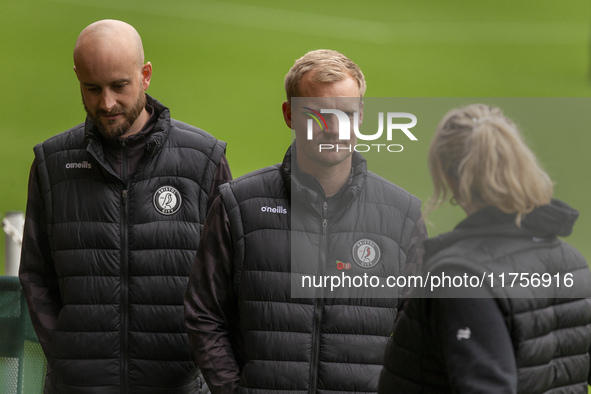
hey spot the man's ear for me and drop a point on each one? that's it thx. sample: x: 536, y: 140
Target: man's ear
x: 361, y: 113
x: 146, y: 75
x: 286, y: 107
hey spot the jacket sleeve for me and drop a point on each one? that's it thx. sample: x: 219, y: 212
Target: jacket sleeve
x: 589, y: 376
x: 221, y: 176
x: 414, y: 259
x: 37, y: 274
x: 210, y: 303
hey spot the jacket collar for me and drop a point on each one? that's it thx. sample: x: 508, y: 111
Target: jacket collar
x: 305, y: 188
x: 548, y: 221
x: 155, y: 141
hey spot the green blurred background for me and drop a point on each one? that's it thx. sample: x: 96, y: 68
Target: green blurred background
x: 220, y: 66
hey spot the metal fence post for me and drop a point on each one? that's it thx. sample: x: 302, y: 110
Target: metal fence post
x: 13, y: 224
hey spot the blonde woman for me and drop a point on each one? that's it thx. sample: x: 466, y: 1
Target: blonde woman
x: 506, y: 338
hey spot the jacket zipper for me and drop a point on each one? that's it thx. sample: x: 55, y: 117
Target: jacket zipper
x: 318, y: 306
x: 124, y: 348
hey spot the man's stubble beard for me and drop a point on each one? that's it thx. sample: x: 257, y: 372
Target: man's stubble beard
x: 113, y: 131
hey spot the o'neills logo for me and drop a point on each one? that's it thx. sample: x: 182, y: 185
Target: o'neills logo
x: 167, y: 200
x: 278, y: 209
x: 84, y: 164
x: 366, y: 253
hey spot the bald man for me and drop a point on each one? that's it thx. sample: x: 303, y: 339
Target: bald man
x: 114, y: 215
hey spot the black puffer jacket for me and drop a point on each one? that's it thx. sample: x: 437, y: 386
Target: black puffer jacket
x: 122, y: 254
x: 330, y: 342
x: 548, y: 328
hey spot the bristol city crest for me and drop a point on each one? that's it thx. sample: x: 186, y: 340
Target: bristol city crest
x: 167, y: 200
x: 366, y: 253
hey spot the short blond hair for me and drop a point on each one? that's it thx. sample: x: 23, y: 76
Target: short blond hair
x: 329, y: 66
x: 484, y: 152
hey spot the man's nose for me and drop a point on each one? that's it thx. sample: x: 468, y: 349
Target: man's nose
x: 333, y: 124
x: 108, y: 100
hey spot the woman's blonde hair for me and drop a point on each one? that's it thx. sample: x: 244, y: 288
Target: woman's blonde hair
x: 484, y: 152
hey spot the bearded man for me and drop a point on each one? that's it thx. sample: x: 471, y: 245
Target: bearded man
x: 114, y: 215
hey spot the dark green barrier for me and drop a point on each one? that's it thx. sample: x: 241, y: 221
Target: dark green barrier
x: 22, y: 362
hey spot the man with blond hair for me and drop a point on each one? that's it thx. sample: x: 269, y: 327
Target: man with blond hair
x: 250, y: 328
x: 114, y: 214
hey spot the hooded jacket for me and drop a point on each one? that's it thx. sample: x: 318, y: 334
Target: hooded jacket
x: 526, y: 336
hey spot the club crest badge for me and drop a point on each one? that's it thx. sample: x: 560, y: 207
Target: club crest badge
x: 366, y: 253
x: 167, y: 200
